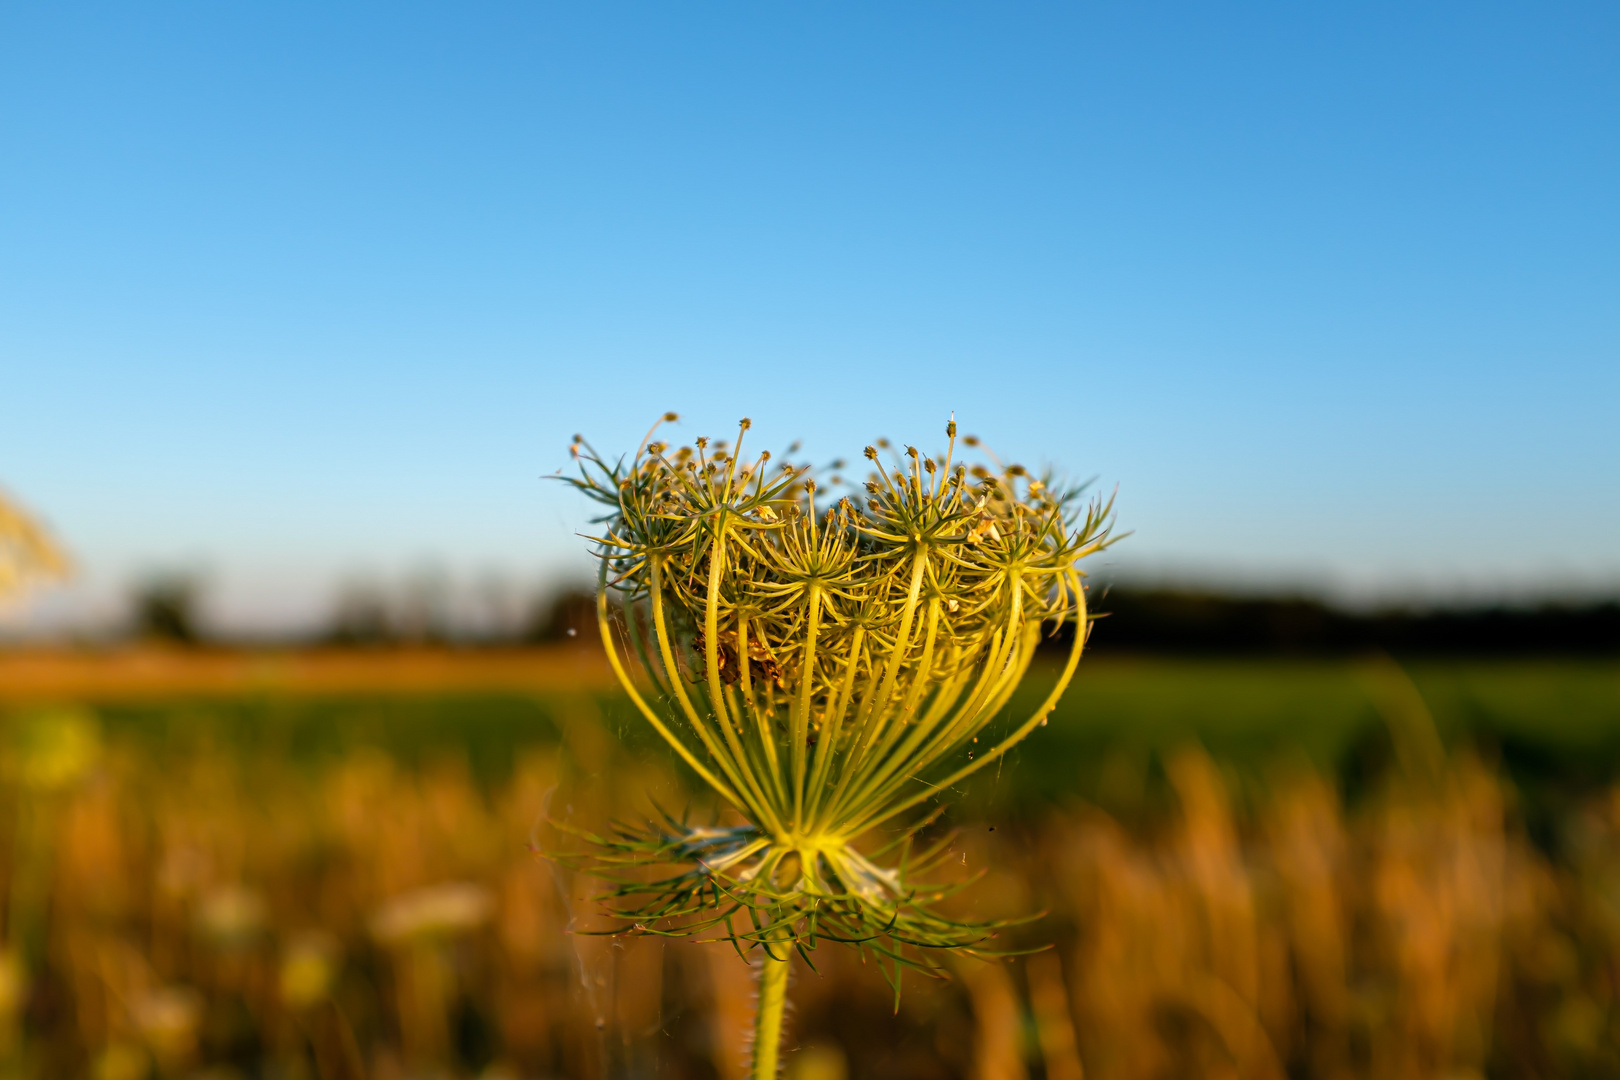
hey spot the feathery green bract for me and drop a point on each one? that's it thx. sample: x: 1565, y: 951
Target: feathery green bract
x: 827, y: 667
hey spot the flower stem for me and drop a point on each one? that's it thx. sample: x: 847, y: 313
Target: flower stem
x: 773, y: 981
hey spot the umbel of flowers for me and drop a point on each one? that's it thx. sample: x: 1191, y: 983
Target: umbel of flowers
x: 27, y: 555
x: 828, y: 662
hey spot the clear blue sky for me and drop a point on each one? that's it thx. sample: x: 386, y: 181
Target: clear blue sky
x: 1332, y: 292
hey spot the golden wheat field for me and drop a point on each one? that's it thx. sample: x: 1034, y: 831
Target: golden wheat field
x: 198, y: 887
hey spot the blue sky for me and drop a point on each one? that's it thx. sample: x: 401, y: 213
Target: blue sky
x: 294, y: 292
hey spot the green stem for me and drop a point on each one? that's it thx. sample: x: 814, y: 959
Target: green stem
x: 801, y: 714
x: 773, y: 981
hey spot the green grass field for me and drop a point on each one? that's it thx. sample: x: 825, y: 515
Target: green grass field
x: 1550, y: 724
x: 217, y: 845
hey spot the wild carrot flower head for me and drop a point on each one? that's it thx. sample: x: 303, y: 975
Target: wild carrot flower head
x: 827, y: 661
x: 27, y: 555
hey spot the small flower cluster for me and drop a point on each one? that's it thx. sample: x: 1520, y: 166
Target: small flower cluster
x: 826, y: 662
x: 27, y: 555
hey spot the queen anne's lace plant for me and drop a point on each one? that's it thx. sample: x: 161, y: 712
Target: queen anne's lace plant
x: 828, y: 666
x: 27, y: 555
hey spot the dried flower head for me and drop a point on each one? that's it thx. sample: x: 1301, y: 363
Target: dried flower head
x: 827, y: 667
x: 27, y: 555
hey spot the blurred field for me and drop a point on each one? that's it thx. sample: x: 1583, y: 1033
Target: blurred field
x: 319, y: 865
x: 159, y: 673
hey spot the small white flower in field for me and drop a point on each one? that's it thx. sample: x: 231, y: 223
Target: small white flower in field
x: 434, y: 912
x: 168, y: 1019
x: 231, y: 916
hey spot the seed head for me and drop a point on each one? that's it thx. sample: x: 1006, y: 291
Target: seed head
x: 825, y: 676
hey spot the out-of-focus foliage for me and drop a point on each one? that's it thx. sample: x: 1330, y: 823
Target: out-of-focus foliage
x: 1193, y: 622
x: 165, y: 609
x: 192, y: 896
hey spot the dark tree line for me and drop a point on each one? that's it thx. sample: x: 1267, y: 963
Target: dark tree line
x: 1129, y: 620
x: 1210, y: 623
